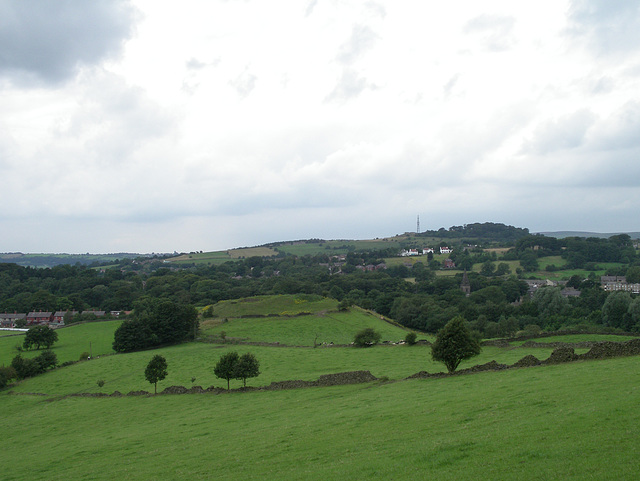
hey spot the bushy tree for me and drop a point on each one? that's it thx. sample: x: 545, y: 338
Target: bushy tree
x: 246, y: 367
x: 410, y: 338
x: 367, y: 337
x: 46, y: 360
x: 6, y: 374
x: 25, y: 368
x: 549, y: 302
x: 226, y: 367
x: 615, y: 311
x: 38, y: 336
x: 156, y: 371
x: 454, y: 343
x: 156, y: 323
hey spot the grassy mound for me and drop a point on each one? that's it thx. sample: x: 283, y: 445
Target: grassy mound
x: 301, y: 320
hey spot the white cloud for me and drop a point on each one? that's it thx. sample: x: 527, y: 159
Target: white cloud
x: 235, y: 123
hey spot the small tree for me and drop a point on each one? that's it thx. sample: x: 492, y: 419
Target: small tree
x: 156, y: 371
x: 46, y: 360
x: 454, y: 343
x: 226, y: 367
x: 246, y: 367
x: 40, y: 336
x: 410, y: 338
x: 6, y: 374
x: 367, y: 337
x: 25, y: 368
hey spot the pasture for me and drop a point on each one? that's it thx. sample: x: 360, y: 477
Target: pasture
x: 93, y: 337
x: 300, y: 320
x: 568, y: 421
x: 553, y: 422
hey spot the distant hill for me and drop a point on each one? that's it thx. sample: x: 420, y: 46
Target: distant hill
x: 52, y: 260
x: 570, y: 233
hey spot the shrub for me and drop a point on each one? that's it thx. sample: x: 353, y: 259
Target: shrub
x: 100, y: 382
x: 410, y: 338
x: 6, y: 374
x: 25, y: 368
x: 46, y: 360
x: 84, y: 356
x: 367, y: 337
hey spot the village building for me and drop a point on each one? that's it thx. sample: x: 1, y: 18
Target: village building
x: 38, y: 318
x: 8, y: 319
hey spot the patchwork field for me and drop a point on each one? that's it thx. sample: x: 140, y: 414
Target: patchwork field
x: 569, y: 421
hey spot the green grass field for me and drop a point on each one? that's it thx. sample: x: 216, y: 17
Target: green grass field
x: 93, y: 337
x: 554, y: 422
x: 571, y: 421
x: 270, y: 305
x: 573, y: 338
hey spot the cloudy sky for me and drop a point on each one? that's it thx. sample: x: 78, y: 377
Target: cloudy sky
x: 154, y: 126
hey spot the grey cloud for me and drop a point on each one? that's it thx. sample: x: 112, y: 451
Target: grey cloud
x: 45, y: 42
x: 608, y: 25
x: 559, y: 134
x: 244, y: 83
x: 603, y: 85
x: 362, y: 39
x: 448, y: 87
x: 312, y: 4
x: 496, y: 31
x: 195, y: 64
x: 114, y: 120
x: 620, y: 132
x: 376, y: 8
x: 349, y: 86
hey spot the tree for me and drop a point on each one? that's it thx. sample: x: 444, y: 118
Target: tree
x: 226, y: 367
x: 246, y: 367
x: 367, y: 337
x: 6, y: 374
x: 529, y: 261
x: 156, y: 371
x: 615, y: 310
x: 40, y: 336
x: 454, y: 343
x: 410, y: 338
x: 46, y: 359
x: 156, y: 323
x: 25, y: 368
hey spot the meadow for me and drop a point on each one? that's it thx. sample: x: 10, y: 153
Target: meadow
x: 300, y: 320
x: 569, y: 421
x: 95, y: 338
x: 553, y: 422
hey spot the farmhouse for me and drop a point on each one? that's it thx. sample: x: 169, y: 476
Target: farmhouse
x: 445, y: 250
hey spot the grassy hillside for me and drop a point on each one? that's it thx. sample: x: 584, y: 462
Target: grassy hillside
x: 94, y: 337
x: 296, y: 248
x: 294, y: 320
x: 570, y: 421
x: 554, y: 422
x: 273, y: 305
